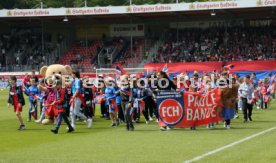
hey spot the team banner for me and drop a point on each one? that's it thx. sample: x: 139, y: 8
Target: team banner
x: 188, y: 109
x: 201, y: 109
x: 170, y: 106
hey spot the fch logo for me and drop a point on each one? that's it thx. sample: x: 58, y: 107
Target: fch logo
x: 171, y: 112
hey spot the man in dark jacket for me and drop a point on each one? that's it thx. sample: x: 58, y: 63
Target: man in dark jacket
x: 16, y: 98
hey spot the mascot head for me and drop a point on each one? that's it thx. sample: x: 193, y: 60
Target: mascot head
x: 55, y: 69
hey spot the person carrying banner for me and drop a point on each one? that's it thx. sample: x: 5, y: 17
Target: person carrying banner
x: 164, y: 83
x: 206, y: 89
x: 246, y: 91
x: 16, y: 98
x: 228, y: 113
x: 192, y: 89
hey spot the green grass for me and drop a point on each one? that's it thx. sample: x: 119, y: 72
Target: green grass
x: 147, y: 143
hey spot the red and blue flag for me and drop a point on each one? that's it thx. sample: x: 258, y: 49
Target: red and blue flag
x: 120, y: 69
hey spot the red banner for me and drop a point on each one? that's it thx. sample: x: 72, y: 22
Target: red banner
x: 200, y: 109
x: 254, y: 65
x: 183, y: 67
x: 197, y: 109
x: 210, y: 66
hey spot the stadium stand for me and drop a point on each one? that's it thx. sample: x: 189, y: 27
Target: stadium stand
x: 219, y: 44
x: 21, y: 49
x: 80, y: 57
x: 132, y: 59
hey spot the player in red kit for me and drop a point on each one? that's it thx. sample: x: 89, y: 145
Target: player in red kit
x: 16, y: 98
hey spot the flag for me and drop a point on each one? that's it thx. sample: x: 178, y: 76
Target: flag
x: 35, y: 96
x: 99, y: 98
x: 113, y: 105
x: 128, y: 93
x: 229, y: 68
x: 120, y: 69
x: 165, y: 68
x: 142, y: 106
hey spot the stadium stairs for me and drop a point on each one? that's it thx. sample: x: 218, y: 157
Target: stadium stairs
x: 133, y: 59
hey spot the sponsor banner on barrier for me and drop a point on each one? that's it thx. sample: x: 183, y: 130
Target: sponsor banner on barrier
x: 188, y: 109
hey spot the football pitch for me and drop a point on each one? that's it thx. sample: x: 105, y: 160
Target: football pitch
x: 147, y: 143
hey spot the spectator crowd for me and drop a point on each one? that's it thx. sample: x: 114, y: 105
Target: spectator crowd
x: 218, y: 44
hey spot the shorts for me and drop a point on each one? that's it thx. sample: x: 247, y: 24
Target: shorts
x: 17, y: 108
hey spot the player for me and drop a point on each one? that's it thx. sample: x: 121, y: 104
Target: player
x: 16, y: 98
x: 33, y: 92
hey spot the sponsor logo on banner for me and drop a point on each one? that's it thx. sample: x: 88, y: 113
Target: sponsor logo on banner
x: 202, y: 6
x: 146, y: 9
x: 88, y: 11
x: 265, y: 3
x: 269, y: 2
x: 18, y: 13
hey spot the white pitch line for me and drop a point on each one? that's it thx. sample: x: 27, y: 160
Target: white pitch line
x: 229, y: 145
